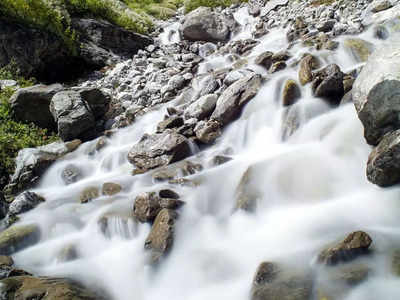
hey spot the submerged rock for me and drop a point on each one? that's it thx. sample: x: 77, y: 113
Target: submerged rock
x: 354, y: 245
x: 111, y: 188
x: 291, y: 93
x: 17, y: 238
x: 375, y: 92
x: 307, y: 64
x: 157, y: 150
x: 90, y: 193
x: 71, y: 174
x: 328, y: 84
x: 359, y: 48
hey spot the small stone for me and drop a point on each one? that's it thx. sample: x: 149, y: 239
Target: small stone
x: 291, y: 93
x: 89, y: 194
x: 110, y: 188
x: 278, y: 66
x: 307, y: 64
x: 208, y: 132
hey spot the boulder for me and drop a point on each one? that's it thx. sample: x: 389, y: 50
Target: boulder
x: 17, y: 238
x: 24, y: 202
x: 383, y: 167
x: 70, y: 174
x: 161, y: 237
x: 202, y: 108
x: 32, y: 104
x: 110, y: 188
x: 277, y: 66
x: 73, y: 115
x: 33, y: 162
x: 272, y: 5
x: 96, y: 99
x: 272, y: 281
x: 3, y: 206
x: 359, y: 48
x: 246, y: 194
x: 375, y: 92
x: 354, y: 245
x: 207, y: 131
x: 88, y: 194
x: 157, y: 150
x: 232, y: 100
x: 173, y: 171
x: 380, y: 5
x: 264, y: 59
x: 291, y: 92
x: 203, y: 24
x: 328, y: 84
x: 254, y: 7
x: 45, y: 288
x: 170, y: 122
x: 307, y: 64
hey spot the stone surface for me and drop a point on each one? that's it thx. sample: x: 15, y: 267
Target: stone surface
x: 24, y: 202
x: 208, y: 132
x: 307, y: 65
x: 89, y: 193
x: 71, y: 174
x: 17, y: 238
x: 232, y: 100
x: 32, y: 104
x: 291, y: 93
x: 328, y: 84
x: 202, y: 108
x: 111, y: 188
x: 157, y: 150
x: 354, y: 245
x: 359, y: 48
x: 375, y: 92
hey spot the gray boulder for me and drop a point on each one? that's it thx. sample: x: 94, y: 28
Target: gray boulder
x: 328, y: 84
x: 24, y: 202
x: 203, y: 24
x: 202, y: 108
x: 17, y: 238
x: 70, y: 174
x: 375, y: 92
x: 157, y: 150
x: 383, y: 167
x: 232, y: 100
x: 32, y: 104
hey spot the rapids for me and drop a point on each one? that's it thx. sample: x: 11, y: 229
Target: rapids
x: 313, y: 191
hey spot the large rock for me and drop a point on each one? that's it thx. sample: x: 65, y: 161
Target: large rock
x: 203, y: 24
x: 232, y: 100
x: 24, y: 202
x: 354, y: 245
x: 375, y: 92
x: 328, y: 84
x: 161, y: 237
x: 44, y: 288
x: 307, y: 64
x: 17, y: 238
x: 73, y: 115
x: 202, y: 108
x: 383, y: 167
x: 32, y: 104
x: 157, y: 150
x: 273, y: 282
x: 33, y: 162
x: 359, y: 48
x: 291, y: 92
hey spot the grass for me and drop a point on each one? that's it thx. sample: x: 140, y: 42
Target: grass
x: 15, y: 136
x: 193, y: 4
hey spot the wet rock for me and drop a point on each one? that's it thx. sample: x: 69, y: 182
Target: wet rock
x: 354, y: 245
x: 291, y: 93
x: 157, y: 150
x: 278, y: 66
x: 146, y: 207
x: 383, y: 167
x: 97, y: 100
x: 161, y: 237
x: 182, y: 168
x: 88, y: 194
x: 307, y: 65
x: 110, y: 188
x: 246, y: 194
x: 395, y: 262
x: 348, y: 82
x: 202, y: 108
x: 264, y: 59
x: 272, y: 5
x: 232, y: 100
x: 254, y: 7
x: 207, y: 131
x: 375, y: 93
x: 347, y: 98
x: 380, y: 5
x: 167, y: 193
x: 6, y: 261
x: 171, y: 122
x: 31, y: 104
x: 45, y: 288
x: 71, y: 174
x: 33, y: 162
x: 3, y: 206
x: 326, y: 26
x: 24, y: 202
x: 275, y: 282
x: 68, y: 253
x: 203, y: 24
x: 17, y: 238
x: 73, y: 117
x: 359, y: 48
x: 328, y: 84
x: 220, y: 160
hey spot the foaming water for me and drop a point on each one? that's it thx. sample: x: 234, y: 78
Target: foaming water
x: 312, y: 190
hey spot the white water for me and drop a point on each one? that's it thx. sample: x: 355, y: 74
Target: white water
x: 314, y: 191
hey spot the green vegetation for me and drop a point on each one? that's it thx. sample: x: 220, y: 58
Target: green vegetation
x: 15, y: 136
x: 193, y: 4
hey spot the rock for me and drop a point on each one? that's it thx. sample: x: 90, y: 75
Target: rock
x: 33, y: 162
x: 203, y: 24
x: 161, y: 237
x: 380, y: 5
x: 348, y: 82
x: 375, y: 92
x: 274, y: 282
x: 254, y: 7
x: 201, y: 108
x: 307, y: 64
x: 278, y: 66
x: 146, y: 207
x: 220, y: 160
x: 45, y: 288
x: 67, y: 253
x: 347, y: 98
x: 157, y: 150
x: 272, y: 5
x: 3, y: 206
x: 73, y: 116
x: 354, y: 245
x: 24, y: 202
x: 246, y: 195
x: 167, y: 193
x: 232, y: 100
x: 383, y: 167
x: 88, y: 194
x: 291, y: 93
x: 359, y: 48
x: 182, y: 168
x: 171, y: 122
x: 17, y: 238
x: 326, y: 26
x: 395, y: 262
x: 6, y: 261
x: 31, y: 104
x: 328, y: 84
x: 97, y: 100
x: 264, y: 59
x: 110, y: 188
x: 207, y: 132
x: 71, y: 174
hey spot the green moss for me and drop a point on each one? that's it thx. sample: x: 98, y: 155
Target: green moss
x: 193, y: 4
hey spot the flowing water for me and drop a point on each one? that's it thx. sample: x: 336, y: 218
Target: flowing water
x: 313, y: 190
